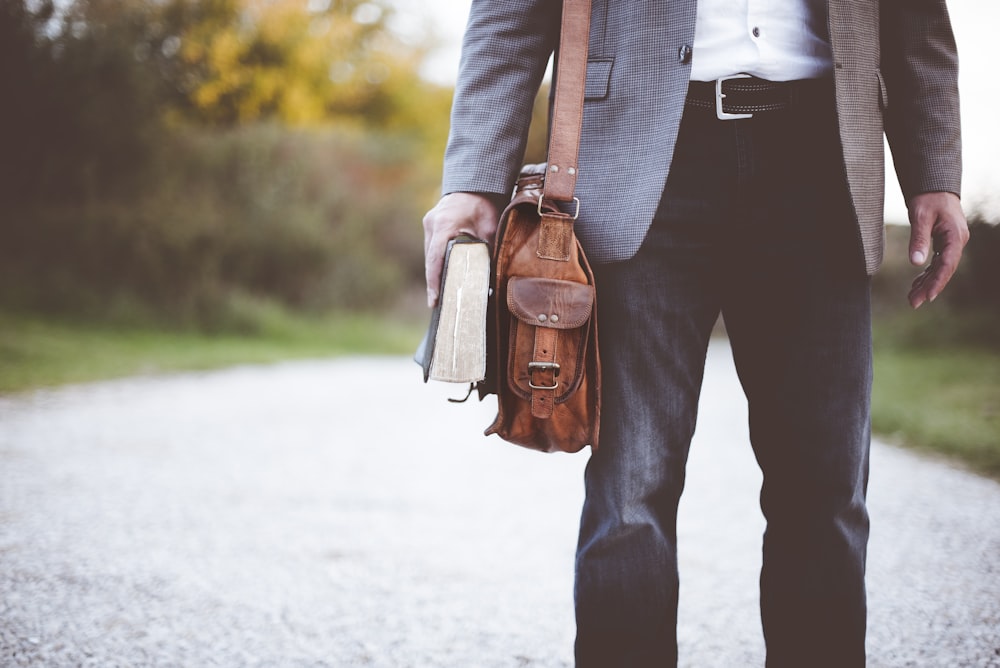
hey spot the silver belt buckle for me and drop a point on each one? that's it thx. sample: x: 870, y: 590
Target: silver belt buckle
x: 719, y: 96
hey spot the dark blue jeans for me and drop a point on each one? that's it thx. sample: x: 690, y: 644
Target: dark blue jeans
x: 755, y: 222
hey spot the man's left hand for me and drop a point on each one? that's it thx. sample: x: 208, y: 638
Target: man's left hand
x: 936, y: 220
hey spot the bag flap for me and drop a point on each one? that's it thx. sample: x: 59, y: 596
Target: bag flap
x: 549, y: 302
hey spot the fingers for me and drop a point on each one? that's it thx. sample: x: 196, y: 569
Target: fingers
x: 436, y: 238
x: 929, y: 283
x: 454, y: 214
x: 433, y: 261
x: 936, y: 218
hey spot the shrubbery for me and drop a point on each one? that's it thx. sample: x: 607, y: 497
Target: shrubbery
x: 314, y: 220
x: 137, y: 180
x: 966, y: 313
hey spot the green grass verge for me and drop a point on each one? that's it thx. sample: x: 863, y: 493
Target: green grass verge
x: 940, y: 400
x: 944, y: 400
x: 41, y: 351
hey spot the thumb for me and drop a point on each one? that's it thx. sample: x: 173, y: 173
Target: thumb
x: 920, y: 240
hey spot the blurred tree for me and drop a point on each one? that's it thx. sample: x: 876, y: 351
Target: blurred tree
x: 145, y: 151
x: 78, y: 107
x: 26, y: 68
x: 89, y: 84
x: 302, y: 63
x: 977, y: 283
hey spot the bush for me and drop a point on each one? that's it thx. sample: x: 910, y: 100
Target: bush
x: 117, y: 198
x: 966, y: 313
x: 317, y: 220
x: 976, y: 285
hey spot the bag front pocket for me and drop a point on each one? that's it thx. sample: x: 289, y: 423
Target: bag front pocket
x: 548, y: 337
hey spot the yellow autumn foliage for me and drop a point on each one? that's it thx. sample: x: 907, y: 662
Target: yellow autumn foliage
x: 288, y: 61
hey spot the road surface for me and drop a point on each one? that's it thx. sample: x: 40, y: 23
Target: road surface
x: 340, y: 513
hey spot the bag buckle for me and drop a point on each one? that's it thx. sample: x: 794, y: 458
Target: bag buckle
x: 543, y: 366
x: 719, y: 96
x: 575, y: 199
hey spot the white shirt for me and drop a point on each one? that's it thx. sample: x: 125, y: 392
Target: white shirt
x: 778, y: 40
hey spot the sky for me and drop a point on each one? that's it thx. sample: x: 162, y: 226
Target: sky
x: 974, y: 22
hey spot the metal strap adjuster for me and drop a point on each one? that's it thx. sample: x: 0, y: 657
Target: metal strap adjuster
x: 543, y: 366
x: 576, y: 214
x: 719, y: 96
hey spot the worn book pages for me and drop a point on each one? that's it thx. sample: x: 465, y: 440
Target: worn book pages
x: 455, y: 347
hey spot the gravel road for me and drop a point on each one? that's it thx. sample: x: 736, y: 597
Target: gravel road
x: 339, y: 513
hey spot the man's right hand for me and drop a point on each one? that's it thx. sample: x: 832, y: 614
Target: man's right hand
x: 456, y: 213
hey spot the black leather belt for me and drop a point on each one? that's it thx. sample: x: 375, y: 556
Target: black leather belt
x: 742, y: 95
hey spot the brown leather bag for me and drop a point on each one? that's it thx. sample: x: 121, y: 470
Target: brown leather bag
x: 544, y: 357
x: 544, y: 363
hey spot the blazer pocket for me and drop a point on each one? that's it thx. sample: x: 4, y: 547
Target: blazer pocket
x: 598, y: 79
x: 883, y: 92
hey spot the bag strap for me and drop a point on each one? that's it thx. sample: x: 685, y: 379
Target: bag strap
x: 567, y: 108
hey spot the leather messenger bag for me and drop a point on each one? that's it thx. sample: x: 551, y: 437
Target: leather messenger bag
x: 543, y: 362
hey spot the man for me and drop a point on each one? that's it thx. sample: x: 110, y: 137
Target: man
x: 731, y: 161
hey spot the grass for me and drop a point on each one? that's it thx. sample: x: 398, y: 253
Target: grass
x: 37, y: 351
x: 942, y: 399
x: 945, y: 401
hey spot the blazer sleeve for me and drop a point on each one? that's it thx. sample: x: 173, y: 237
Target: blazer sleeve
x: 920, y: 69
x: 505, y: 50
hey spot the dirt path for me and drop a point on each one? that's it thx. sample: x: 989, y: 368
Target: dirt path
x: 341, y: 514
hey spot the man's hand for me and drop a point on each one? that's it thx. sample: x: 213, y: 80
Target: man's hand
x: 936, y: 219
x: 454, y: 214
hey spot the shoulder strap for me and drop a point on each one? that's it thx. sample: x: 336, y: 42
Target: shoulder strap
x: 567, y: 109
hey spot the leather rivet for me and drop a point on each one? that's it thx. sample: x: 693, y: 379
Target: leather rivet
x: 571, y: 170
x: 554, y: 168
x: 554, y: 318
x: 542, y: 317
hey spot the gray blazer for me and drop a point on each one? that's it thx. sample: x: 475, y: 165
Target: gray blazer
x: 901, y: 79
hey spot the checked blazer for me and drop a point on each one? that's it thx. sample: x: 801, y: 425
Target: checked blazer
x: 895, y: 72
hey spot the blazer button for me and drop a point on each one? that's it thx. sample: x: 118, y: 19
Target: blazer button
x: 684, y: 54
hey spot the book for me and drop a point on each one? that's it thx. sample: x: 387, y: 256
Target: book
x: 454, y: 348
